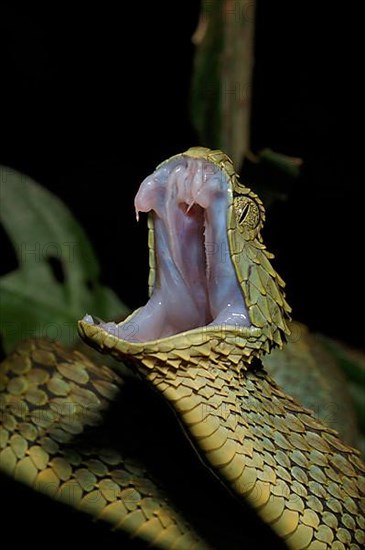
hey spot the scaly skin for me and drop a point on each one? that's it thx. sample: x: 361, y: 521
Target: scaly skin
x: 266, y: 448
x: 311, y: 374
x: 49, y: 398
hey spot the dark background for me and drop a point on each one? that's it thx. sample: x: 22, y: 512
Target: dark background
x: 92, y: 100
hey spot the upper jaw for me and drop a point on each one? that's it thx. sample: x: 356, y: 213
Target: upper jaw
x: 196, y: 284
x: 212, y: 307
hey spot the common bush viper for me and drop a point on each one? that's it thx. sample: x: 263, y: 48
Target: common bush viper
x: 216, y: 306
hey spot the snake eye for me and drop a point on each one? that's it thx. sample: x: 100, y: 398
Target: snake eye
x: 248, y: 213
x: 244, y: 212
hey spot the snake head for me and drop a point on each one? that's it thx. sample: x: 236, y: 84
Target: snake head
x: 212, y: 285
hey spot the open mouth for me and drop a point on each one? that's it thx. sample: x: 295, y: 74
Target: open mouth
x: 195, y: 282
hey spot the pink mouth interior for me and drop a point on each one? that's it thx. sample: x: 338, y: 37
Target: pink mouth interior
x: 196, y: 284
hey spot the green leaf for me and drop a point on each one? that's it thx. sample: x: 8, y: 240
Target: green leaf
x: 57, y: 279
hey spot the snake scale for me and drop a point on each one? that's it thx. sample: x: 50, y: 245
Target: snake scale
x: 217, y: 306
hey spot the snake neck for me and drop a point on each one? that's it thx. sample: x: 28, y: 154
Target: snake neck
x: 268, y: 450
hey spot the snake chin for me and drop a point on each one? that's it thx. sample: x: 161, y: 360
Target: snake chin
x: 195, y: 283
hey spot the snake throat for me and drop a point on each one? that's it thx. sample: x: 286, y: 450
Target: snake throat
x: 195, y: 283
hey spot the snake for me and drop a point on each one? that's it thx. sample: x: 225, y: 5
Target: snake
x: 216, y: 307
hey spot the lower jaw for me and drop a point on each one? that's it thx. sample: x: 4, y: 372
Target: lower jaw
x: 214, y: 342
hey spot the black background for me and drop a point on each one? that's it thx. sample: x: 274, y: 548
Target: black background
x: 92, y: 99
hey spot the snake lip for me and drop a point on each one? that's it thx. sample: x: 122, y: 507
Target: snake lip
x: 108, y: 338
x: 93, y: 319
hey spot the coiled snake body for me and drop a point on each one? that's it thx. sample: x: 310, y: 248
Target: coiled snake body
x: 216, y: 306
